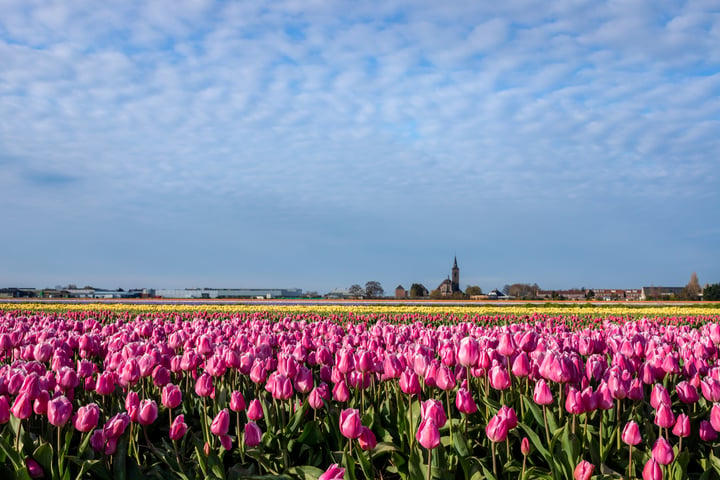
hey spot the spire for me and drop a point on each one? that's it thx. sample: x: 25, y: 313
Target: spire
x: 455, y: 264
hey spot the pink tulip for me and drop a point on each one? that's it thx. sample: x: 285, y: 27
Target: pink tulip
x: 34, y: 468
x: 350, y: 423
x: 682, y: 426
x: 367, y: 440
x: 525, y: 446
x: 116, y: 426
x: 221, y: 423
x: 147, y: 412
x: 499, y: 378
x: 86, y: 418
x: 583, y: 470
x: 59, y: 411
x: 341, y: 392
x: 664, y: 416
x: 4, y: 410
x: 659, y: 395
x: 433, y: 409
x: 687, y: 393
x: 464, y: 401
x: 105, y: 384
x: 237, y: 401
x: 253, y: 434
x: 22, y: 408
x: 468, y: 352
x: 652, y: 470
x: 178, y: 428
x: 204, y: 386
x: 171, y: 396
x: 662, y: 452
x: 707, y: 432
x: 497, y: 429
x: 409, y: 383
x: 542, y: 394
x: 631, y: 433
x: 334, y: 472
x: 255, y: 411
x: 428, y: 434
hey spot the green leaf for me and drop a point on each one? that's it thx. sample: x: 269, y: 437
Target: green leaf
x: 306, y: 472
x: 384, y: 447
x: 44, y: 456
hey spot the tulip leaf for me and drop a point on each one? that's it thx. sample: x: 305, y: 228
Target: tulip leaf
x: 298, y: 419
x: 306, y: 472
x: 365, y: 464
x: 384, y: 447
x: 44, y: 456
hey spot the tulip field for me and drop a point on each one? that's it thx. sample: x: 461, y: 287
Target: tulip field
x: 359, y: 392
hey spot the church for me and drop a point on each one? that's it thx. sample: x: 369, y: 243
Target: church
x: 451, y: 285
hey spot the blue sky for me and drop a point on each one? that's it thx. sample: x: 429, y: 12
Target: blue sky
x: 315, y: 144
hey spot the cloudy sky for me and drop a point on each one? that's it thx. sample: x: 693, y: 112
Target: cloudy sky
x: 317, y: 143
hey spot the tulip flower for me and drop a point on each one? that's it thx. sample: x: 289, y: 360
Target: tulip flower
x: 22, y: 408
x: 253, y: 434
x: 497, y: 429
x: 428, y: 434
x: 664, y: 416
x: 237, y: 401
x: 652, y: 470
x: 631, y: 433
x: 350, y: 423
x: 147, y: 412
x: 59, y: 411
x: 367, y: 440
x: 204, y: 386
x: 4, y: 410
x: 221, y: 423
x: 432, y: 408
x: 682, y: 426
x: 34, y: 468
x: 341, y: 392
x: 662, y: 452
x: 86, y: 418
x: 715, y: 416
x: 334, y: 472
x: 178, y: 428
x: 464, y: 401
x: 255, y: 411
x: 707, y: 432
x: 542, y: 394
x: 583, y: 470
x: 171, y: 396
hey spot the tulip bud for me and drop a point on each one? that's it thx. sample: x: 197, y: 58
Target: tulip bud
x: 525, y: 446
x: 652, y: 470
x: 87, y: 417
x: 367, y: 440
x: 682, y: 426
x: 542, y: 394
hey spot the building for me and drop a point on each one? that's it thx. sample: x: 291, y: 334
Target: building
x: 572, y: 294
x: 451, y: 285
x: 608, y: 294
x: 400, y: 292
x: 660, y: 293
x: 219, y: 293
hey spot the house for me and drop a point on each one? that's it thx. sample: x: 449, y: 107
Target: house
x: 451, y: 285
x: 660, y: 293
x: 497, y: 295
x: 400, y: 292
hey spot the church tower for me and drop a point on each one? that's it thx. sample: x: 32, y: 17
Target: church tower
x: 455, y: 277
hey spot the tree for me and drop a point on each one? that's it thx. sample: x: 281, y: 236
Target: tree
x: 589, y: 294
x: 418, y: 290
x: 473, y: 290
x: 356, y: 291
x: 373, y: 289
x: 712, y: 292
x: 692, y: 289
x: 522, y: 290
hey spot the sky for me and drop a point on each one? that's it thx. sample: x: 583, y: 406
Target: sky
x: 316, y: 144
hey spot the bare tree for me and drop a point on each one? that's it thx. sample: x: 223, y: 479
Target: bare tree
x: 356, y: 291
x: 373, y: 289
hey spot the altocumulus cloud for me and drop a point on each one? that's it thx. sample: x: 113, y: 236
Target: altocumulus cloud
x: 303, y: 105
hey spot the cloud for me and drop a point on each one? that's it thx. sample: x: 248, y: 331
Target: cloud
x: 320, y: 106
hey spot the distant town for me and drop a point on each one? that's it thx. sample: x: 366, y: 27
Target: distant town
x: 449, y: 288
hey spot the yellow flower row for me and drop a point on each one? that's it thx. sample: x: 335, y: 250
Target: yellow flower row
x: 321, y: 308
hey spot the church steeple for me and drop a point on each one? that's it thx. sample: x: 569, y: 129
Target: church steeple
x: 455, y: 276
